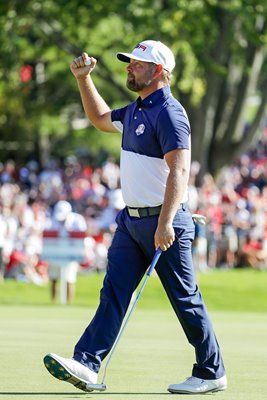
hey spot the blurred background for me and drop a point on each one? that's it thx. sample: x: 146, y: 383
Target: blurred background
x: 52, y: 159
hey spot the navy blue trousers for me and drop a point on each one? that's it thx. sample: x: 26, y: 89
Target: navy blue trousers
x: 129, y: 256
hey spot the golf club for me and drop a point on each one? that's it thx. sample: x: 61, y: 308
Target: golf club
x: 102, y: 386
x: 199, y: 219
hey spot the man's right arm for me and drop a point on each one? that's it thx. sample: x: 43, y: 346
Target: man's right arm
x: 94, y: 105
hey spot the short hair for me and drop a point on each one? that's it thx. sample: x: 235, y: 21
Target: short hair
x: 167, y: 75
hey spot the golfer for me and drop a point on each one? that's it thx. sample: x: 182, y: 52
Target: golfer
x: 155, y: 163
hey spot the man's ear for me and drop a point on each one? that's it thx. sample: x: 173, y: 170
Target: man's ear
x: 158, y: 70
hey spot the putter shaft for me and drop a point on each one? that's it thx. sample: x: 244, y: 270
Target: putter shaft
x: 149, y: 272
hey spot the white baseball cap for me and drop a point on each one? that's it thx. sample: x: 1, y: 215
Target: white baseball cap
x: 61, y: 210
x: 151, y: 51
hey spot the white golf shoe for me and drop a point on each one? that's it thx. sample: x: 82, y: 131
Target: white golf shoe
x: 69, y: 370
x: 195, y: 385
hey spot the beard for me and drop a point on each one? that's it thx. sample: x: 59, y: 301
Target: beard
x: 135, y: 86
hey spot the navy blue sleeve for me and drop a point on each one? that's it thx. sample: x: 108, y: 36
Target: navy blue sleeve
x: 173, y: 128
x: 118, y: 114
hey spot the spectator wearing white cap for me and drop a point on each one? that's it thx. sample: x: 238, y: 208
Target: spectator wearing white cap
x: 64, y: 221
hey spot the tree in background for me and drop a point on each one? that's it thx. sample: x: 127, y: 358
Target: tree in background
x: 220, y: 48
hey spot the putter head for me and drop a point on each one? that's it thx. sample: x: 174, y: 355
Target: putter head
x: 101, y: 387
x: 199, y: 219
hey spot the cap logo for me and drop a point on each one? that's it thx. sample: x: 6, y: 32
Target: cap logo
x: 141, y: 46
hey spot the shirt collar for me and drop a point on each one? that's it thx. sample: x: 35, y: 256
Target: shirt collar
x: 154, y: 97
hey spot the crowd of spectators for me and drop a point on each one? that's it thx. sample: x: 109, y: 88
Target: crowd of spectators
x: 235, y: 208
x: 28, y: 199
x: 236, y: 211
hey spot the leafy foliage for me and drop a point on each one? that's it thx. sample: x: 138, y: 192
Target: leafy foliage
x: 220, y: 50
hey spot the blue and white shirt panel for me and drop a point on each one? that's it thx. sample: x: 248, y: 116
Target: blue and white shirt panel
x: 151, y: 128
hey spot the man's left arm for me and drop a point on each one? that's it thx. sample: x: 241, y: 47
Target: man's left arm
x: 176, y: 185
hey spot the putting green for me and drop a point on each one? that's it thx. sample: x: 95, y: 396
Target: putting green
x: 223, y: 290
x: 152, y: 353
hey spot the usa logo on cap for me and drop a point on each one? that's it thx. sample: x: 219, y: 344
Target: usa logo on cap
x: 141, y: 46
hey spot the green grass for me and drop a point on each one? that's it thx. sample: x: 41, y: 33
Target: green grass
x: 233, y: 290
x: 153, y: 353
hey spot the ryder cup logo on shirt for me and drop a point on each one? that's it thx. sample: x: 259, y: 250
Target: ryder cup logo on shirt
x: 140, y: 129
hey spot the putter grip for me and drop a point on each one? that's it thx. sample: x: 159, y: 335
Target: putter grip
x: 154, y: 261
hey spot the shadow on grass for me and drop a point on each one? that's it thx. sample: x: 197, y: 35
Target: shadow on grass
x: 78, y: 394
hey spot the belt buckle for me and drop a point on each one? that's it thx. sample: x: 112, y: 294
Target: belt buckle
x: 134, y: 212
